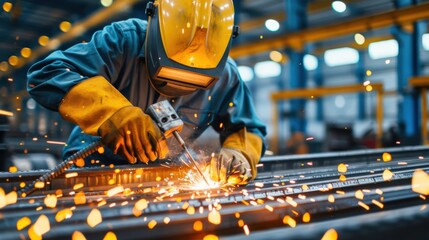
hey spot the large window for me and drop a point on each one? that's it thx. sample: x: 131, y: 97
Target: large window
x: 341, y: 56
x: 383, y: 49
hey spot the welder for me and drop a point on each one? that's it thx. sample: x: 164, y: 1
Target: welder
x: 179, y: 54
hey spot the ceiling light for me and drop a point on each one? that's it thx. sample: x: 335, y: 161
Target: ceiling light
x: 425, y: 41
x: 13, y: 60
x: 383, y: 49
x: 43, y: 40
x: 341, y: 56
x: 106, y: 3
x: 339, y: 6
x: 359, y: 38
x: 246, y: 73
x: 65, y: 26
x: 276, y: 56
x: 272, y: 25
x: 310, y: 62
x: 267, y: 69
x: 26, y: 52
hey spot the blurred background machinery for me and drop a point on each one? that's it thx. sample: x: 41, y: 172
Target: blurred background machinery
x: 341, y: 85
x: 354, y: 72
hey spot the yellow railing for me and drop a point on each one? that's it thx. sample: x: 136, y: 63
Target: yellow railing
x: 312, y: 93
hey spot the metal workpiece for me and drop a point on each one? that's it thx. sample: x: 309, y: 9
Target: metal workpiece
x: 302, y: 201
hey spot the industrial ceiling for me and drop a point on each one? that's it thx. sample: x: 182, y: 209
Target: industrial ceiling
x: 25, y: 21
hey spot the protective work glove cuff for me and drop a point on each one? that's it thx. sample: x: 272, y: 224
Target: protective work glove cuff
x: 91, y: 102
x: 249, y: 145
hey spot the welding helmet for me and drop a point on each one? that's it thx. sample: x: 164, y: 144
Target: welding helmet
x: 187, y: 43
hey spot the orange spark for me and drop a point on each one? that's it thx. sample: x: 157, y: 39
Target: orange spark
x: 151, y: 224
x: 80, y: 198
x: 290, y: 221
x: 110, y: 236
x: 306, y: 217
x: 115, y: 190
x: 94, y: 218
x: 246, y: 230
x: 141, y: 204
x: 420, y: 182
x: 386, y: 157
x: 342, y: 168
x: 78, y: 236
x: 198, y: 226
x: 78, y: 186
x: 63, y: 214
x: 387, y: 175
x: 362, y: 204
x: 23, y: 223
x: 214, y: 217
x: 71, y: 175
x: 377, y: 203
x: 359, y: 194
x: 51, y: 201
x: 41, y: 226
x: 210, y: 237
x: 331, y: 234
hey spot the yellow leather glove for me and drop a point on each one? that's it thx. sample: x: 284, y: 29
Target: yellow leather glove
x: 100, y: 109
x: 237, y: 159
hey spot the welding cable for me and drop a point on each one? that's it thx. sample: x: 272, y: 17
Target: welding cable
x: 61, y: 168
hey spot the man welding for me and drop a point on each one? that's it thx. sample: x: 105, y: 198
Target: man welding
x: 181, y: 55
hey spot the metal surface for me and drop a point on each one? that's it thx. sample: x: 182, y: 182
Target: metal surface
x: 286, y: 188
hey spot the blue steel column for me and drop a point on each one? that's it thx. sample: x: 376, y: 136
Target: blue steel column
x: 296, y: 19
x: 319, y: 80
x: 360, y: 75
x: 407, y: 67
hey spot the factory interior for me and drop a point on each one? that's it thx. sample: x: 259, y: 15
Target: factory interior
x: 341, y: 86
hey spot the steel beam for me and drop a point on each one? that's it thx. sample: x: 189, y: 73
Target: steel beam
x: 298, y: 38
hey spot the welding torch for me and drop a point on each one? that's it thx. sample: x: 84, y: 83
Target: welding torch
x: 170, y: 124
x: 165, y: 117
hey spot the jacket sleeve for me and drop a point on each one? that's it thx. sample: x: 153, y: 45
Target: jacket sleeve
x: 237, y: 110
x: 51, y: 78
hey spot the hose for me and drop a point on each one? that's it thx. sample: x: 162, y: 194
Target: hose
x: 61, y: 168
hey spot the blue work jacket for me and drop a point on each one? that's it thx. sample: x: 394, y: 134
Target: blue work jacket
x: 117, y: 52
